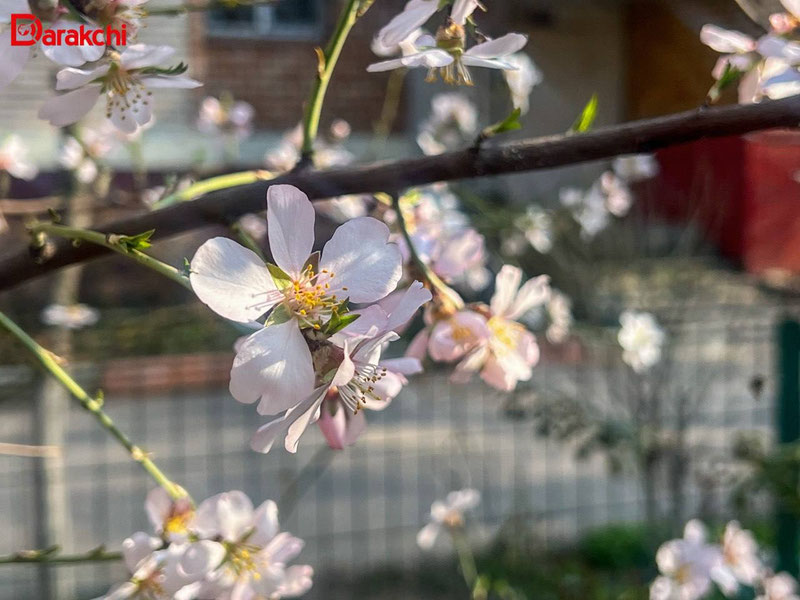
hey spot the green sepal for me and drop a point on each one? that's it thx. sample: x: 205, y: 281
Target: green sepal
x: 279, y: 276
x: 280, y: 314
x: 510, y: 123
x: 729, y: 76
x: 337, y: 323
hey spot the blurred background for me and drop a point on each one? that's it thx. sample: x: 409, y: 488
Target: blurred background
x: 584, y: 469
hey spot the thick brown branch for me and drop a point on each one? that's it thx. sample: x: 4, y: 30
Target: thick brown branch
x: 222, y: 207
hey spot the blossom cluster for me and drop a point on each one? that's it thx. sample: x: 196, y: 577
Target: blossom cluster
x: 641, y: 339
x: 123, y: 77
x: 767, y: 67
x: 691, y: 567
x: 223, y: 548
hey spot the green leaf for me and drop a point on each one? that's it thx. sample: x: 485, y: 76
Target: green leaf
x: 279, y: 276
x: 337, y: 323
x: 140, y: 241
x: 587, y: 117
x: 510, y: 123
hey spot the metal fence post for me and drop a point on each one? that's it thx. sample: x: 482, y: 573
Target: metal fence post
x: 788, y: 430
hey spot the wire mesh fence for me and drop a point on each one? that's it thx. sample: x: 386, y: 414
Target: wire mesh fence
x: 359, y: 509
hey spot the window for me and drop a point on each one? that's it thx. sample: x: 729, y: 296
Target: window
x: 292, y: 19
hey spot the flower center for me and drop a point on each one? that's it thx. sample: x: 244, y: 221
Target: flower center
x: 244, y: 559
x: 309, y: 296
x: 451, y: 38
x: 505, y: 333
x: 454, y: 520
x: 360, y: 388
x: 123, y: 90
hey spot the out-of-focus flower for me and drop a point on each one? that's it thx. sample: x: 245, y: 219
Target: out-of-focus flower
x: 14, y: 158
x: 73, y: 158
x: 448, y: 515
x: 75, y: 316
x: 170, y: 518
x: 275, y: 363
x: 537, y: 226
x: 779, y: 587
x: 740, y: 562
x: 686, y: 565
x: 619, y: 198
x: 452, y: 123
x: 254, y: 225
x: 641, y: 339
x: 636, y: 167
x: 250, y: 551
x: 559, y: 313
x: 225, y: 116
x: 521, y: 80
x: 124, y: 80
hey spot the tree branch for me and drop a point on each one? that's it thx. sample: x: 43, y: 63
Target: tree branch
x: 224, y: 205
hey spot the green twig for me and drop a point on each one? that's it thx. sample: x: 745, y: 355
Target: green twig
x: 51, y: 556
x: 446, y: 294
x: 92, y: 404
x: 112, y: 242
x: 327, y: 63
x: 465, y: 557
x: 214, y: 184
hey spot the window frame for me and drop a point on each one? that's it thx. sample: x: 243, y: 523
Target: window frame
x: 261, y: 26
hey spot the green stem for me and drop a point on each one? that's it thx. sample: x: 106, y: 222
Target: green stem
x: 51, y: 556
x: 327, y: 64
x: 247, y: 240
x: 446, y: 294
x: 465, y: 557
x: 213, y: 184
x: 94, y: 405
x: 112, y: 242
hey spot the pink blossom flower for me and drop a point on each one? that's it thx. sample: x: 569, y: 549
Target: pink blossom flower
x: 686, y: 565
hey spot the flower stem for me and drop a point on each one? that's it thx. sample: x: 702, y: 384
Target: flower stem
x: 112, y: 242
x: 248, y: 240
x: 94, y: 405
x: 51, y: 556
x: 327, y: 63
x: 214, y: 184
x: 446, y: 294
x: 465, y: 557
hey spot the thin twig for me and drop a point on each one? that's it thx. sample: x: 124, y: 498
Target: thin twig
x: 222, y: 206
x: 52, y: 556
x: 92, y: 404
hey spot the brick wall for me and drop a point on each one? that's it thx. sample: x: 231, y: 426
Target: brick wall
x: 275, y: 76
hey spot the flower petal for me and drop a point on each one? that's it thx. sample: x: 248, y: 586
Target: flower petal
x: 402, y: 305
x: 497, y: 48
x: 264, y: 438
x: 726, y: 40
x: 534, y: 292
x: 414, y: 15
x: 265, y: 523
x: 71, y: 107
x: 273, y: 364
x: 290, y: 222
x: 429, y: 59
x: 12, y: 59
x: 505, y: 290
x: 361, y: 263
x: 232, y: 280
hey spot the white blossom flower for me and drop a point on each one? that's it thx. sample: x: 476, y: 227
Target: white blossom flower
x: 14, y: 58
x: 779, y: 587
x: 250, y: 552
x: 350, y: 375
x: 686, y: 565
x: 618, y: 196
x: 559, y: 312
x: 447, y: 514
x: 521, y: 80
x: 225, y: 116
x: 641, y: 339
x: 14, y: 158
x: 447, y: 53
x: 124, y: 80
x: 75, y: 316
x: 170, y: 518
x: 452, y: 123
x: 275, y: 364
x: 170, y: 573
